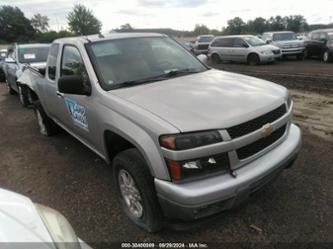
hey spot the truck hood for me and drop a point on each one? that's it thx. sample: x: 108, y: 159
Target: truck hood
x: 210, y: 100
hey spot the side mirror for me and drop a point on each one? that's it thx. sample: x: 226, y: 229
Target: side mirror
x: 268, y: 41
x: 244, y: 45
x: 323, y: 40
x: 10, y: 60
x: 74, y: 84
x: 203, y: 58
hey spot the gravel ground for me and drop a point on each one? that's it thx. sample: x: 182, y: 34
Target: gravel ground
x: 62, y: 173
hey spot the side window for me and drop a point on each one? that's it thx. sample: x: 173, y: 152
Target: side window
x: 238, y: 43
x: 216, y: 43
x: 315, y: 36
x: 52, y: 61
x: 322, y: 36
x: 226, y: 43
x: 72, y: 63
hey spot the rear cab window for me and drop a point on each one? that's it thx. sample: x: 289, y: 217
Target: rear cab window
x: 52, y: 61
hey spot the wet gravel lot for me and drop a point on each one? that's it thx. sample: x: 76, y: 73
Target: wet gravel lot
x: 62, y: 173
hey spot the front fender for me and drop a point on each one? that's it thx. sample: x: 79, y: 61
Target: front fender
x: 140, y: 138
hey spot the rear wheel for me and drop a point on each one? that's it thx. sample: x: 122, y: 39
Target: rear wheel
x: 326, y: 56
x: 23, y: 92
x: 136, y: 191
x: 253, y: 59
x: 216, y: 59
x: 10, y: 90
x: 47, y: 127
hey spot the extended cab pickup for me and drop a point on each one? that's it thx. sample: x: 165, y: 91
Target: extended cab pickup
x: 185, y: 141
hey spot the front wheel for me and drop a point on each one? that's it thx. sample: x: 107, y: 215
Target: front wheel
x: 135, y: 189
x: 326, y: 56
x: 253, y: 60
x: 216, y: 59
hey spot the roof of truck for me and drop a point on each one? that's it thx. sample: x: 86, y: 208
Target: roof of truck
x: 33, y: 45
x: 110, y: 36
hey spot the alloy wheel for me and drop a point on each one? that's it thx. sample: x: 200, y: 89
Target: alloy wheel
x: 130, y: 193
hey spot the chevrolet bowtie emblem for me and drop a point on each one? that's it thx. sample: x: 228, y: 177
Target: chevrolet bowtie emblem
x: 266, y: 130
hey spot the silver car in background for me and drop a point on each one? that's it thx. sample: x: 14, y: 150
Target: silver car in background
x: 19, y: 56
x: 287, y: 41
x: 202, y: 43
x: 242, y: 48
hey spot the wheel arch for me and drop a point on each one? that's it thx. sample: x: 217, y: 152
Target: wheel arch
x: 252, y: 53
x: 116, y: 141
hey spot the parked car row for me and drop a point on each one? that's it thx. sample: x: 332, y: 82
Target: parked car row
x: 18, y: 58
x: 184, y: 141
x: 255, y: 50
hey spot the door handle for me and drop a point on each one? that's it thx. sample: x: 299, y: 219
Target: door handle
x: 60, y: 95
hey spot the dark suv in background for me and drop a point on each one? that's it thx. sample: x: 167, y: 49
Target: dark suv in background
x: 319, y: 43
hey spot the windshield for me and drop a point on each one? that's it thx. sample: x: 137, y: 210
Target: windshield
x: 118, y: 62
x: 254, y: 41
x: 284, y: 37
x: 33, y: 54
x: 206, y: 39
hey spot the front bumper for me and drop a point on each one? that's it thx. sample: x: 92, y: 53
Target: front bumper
x: 267, y: 58
x: 292, y: 51
x: 194, y: 200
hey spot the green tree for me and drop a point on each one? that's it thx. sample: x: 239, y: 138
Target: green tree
x: 40, y: 23
x: 201, y: 30
x: 276, y: 23
x: 257, y: 26
x: 126, y: 27
x: 235, y: 26
x: 50, y: 36
x: 81, y: 21
x: 296, y: 23
x: 14, y: 26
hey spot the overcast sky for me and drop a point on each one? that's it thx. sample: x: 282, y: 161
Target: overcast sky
x: 176, y: 14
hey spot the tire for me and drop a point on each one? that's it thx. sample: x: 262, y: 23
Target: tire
x: 326, y: 57
x: 216, y: 59
x: 253, y: 59
x: 10, y: 90
x: 23, y: 93
x: 47, y: 127
x: 149, y: 216
x: 300, y: 57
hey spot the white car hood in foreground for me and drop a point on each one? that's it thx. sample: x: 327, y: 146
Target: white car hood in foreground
x: 20, y: 221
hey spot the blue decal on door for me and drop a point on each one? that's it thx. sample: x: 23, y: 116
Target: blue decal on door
x: 77, y: 113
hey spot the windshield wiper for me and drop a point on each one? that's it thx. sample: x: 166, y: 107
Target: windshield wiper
x: 167, y: 75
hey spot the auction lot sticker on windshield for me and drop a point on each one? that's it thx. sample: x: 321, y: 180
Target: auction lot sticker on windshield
x: 77, y: 113
x: 29, y: 56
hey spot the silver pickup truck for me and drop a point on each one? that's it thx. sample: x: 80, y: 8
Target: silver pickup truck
x: 184, y: 141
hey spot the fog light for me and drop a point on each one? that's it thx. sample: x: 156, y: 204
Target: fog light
x: 192, y: 165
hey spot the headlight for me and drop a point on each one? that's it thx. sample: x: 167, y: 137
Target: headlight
x: 190, y: 140
x: 266, y: 52
x: 182, y: 170
x: 59, y: 228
